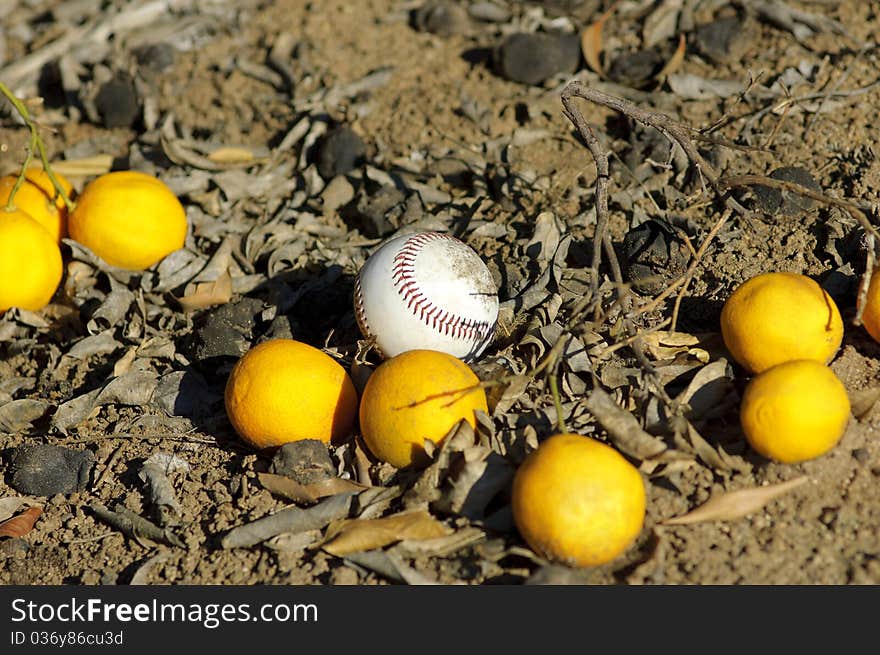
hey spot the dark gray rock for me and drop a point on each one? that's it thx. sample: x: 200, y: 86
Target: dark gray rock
x: 723, y: 40
x: 46, y: 470
x: 226, y: 332
x: 339, y: 152
x: 307, y: 461
x: 783, y: 203
x: 635, y: 69
x: 117, y: 102
x: 653, y: 256
x: 535, y: 58
x: 377, y: 214
x: 156, y: 56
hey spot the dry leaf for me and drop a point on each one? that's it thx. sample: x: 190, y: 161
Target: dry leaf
x: 357, y: 535
x: 442, y: 546
x: 307, y: 494
x: 9, y: 506
x: 623, y: 428
x: 207, y: 294
x: 662, y: 23
x: 289, y: 542
x: 863, y: 401
x: 663, y: 345
x: 675, y: 61
x: 710, y: 391
x: 232, y: 155
x: 19, y: 526
x: 591, y: 41
x: 736, y: 504
x: 290, y: 519
x: 84, y: 167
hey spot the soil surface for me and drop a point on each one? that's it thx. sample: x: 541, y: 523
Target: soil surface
x: 230, y: 103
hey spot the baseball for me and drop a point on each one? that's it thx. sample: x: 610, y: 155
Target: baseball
x: 428, y: 291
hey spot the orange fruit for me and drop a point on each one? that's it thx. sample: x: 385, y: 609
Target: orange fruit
x: 38, y: 198
x: 779, y: 317
x: 131, y: 220
x: 578, y: 501
x: 871, y: 308
x: 794, y: 411
x: 414, y: 396
x: 284, y: 390
x: 30, y: 262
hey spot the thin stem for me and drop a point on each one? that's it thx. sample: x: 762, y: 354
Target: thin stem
x: 34, y: 145
x: 554, y: 391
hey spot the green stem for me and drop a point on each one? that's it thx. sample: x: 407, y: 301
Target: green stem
x: 35, y: 144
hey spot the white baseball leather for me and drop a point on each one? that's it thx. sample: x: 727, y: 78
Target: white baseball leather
x: 426, y: 290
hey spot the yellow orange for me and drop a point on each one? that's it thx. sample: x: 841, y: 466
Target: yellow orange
x: 794, y: 411
x: 871, y: 308
x: 131, y: 220
x: 415, y: 396
x: 30, y: 262
x: 779, y: 317
x: 38, y: 198
x: 578, y: 501
x: 284, y: 390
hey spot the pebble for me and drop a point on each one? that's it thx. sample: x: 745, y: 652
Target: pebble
x: 721, y: 41
x: 224, y: 333
x: 47, y: 470
x: 156, y: 56
x: 779, y: 202
x: 861, y: 455
x: 117, y: 102
x: 306, y: 461
x: 653, y: 256
x: 377, y: 214
x: 441, y: 18
x: 534, y: 58
x: 635, y: 69
x: 489, y: 12
x: 339, y: 152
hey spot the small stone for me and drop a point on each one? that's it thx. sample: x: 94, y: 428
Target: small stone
x: 339, y: 152
x: 117, y: 102
x: 535, y: 58
x: 47, y: 470
x: 783, y: 203
x: 441, y: 18
x: 224, y: 333
x: 306, y: 461
x: 721, y: 41
x: 156, y: 56
x: 654, y: 256
x: 861, y: 455
x: 378, y: 214
x: 489, y: 12
x: 635, y: 69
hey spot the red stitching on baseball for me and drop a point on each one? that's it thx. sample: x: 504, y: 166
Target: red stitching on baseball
x: 361, y: 317
x: 403, y: 277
